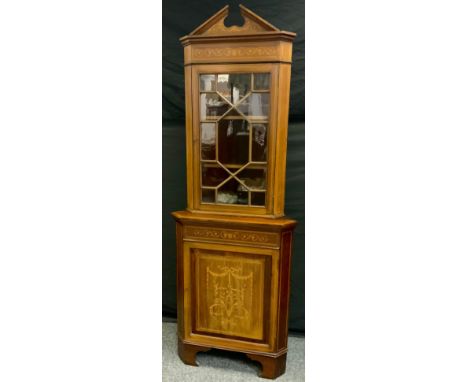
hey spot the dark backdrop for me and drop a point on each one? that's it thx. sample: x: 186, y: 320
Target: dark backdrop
x: 180, y: 18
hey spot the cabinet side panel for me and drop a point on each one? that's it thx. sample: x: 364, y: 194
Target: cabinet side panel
x: 188, y: 134
x: 272, y: 139
x: 180, y: 279
x: 285, y: 279
x: 282, y: 137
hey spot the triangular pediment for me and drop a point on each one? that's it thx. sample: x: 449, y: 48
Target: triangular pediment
x: 215, y: 24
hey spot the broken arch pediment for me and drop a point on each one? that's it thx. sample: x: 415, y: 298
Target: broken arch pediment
x: 215, y: 24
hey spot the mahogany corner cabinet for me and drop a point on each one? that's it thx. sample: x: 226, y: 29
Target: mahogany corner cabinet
x: 233, y: 240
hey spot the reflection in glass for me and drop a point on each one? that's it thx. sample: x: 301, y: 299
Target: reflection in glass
x: 212, y: 175
x: 207, y: 82
x: 233, y: 141
x: 212, y: 106
x: 232, y: 193
x: 257, y: 198
x: 208, y: 141
x: 256, y: 105
x: 208, y: 195
x: 259, y: 142
x: 261, y: 81
x: 253, y: 178
x: 233, y: 86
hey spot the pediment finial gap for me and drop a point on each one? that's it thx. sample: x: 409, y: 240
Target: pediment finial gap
x: 234, y: 18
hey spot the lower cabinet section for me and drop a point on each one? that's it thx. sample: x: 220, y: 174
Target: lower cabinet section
x: 231, y: 285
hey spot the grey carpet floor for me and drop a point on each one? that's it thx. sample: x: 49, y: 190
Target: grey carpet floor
x: 217, y: 365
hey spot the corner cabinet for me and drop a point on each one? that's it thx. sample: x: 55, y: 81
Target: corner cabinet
x: 233, y: 241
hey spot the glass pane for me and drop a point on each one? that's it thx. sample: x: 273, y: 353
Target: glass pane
x: 253, y: 178
x: 207, y: 82
x: 257, y: 198
x: 208, y: 196
x: 232, y: 193
x: 259, y: 142
x: 212, y: 174
x: 262, y: 81
x: 208, y: 141
x: 233, y: 86
x: 233, y: 141
x: 256, y: 105
x: 212, y: 106
x: 234, y: 110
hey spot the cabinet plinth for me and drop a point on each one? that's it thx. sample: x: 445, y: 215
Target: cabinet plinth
x: 233, y: 241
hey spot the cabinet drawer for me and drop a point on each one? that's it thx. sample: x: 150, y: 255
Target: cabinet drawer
x: 234, y: 236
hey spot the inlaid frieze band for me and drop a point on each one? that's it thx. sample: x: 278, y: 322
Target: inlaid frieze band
x: 262, y: 238
x: 228, y: 52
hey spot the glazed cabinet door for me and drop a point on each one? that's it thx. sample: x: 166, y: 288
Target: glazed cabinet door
x: 230, y: 294
x: 234, y: 125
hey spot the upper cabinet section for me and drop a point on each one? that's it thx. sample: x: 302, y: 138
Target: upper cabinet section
x: 237, y: 100
x: 255, y: 41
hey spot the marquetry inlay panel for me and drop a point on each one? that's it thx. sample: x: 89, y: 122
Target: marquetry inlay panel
x: 228, y: 52
x: 237, y: 52
x: 232, y: 235
x: 229, y: 293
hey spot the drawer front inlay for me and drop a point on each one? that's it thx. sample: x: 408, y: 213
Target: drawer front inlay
x: 223, y: 234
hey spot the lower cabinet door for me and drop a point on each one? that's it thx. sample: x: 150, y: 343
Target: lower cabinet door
x: 231, y: 294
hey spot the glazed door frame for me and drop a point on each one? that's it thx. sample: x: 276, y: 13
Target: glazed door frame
x: 193, y: 156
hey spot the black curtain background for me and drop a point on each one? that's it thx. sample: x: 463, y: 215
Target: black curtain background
x: 180, y: 17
